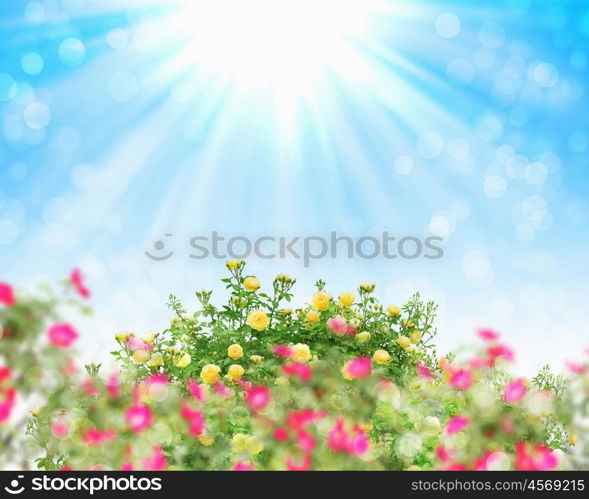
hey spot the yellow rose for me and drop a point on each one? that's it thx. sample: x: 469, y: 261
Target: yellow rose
x: 234, y: 264
x: 412, y: 349
x: 445, y: 364
x: 403, y: 341
x: 251, y: 284
x: 235, y: 372
x: 183, y: 361
x: 312, y: 316
x: 346, y: 299
x: 256, y: 359
x: 346, y: 373
x: 367, y: 287
x: 355, y: 322
x: 141, y: 356
x: 148, y: 338
x: 284, y: 278
x: 156, y: 360
x: 235, y: 351
x: 254, y: 446
x: 301, y: 353
x: 394, y: 310
x: 36, y: 411
x: 381, y: 356
x: 258, y: 320
x: 281, y: 381
x: 123, y: 337
x: 206, y: 440
x: 415, y: 336
x: 210, y: 373
x: 366, y: 426
x: 238, y: 301
x: 408, y: 324
x: 363, y: 337
x: 320, y: 301
x: 239, y: 443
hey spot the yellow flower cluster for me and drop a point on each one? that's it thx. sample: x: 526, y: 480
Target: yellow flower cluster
x: 149, y: 338
x: 234, y: 264
x: 210, y: 373
x: 285, y: 278
x: 363, y: 337
x: 320, y: 301
x: 242, y: 443
x: 141, y: 356
x: 206, y: 440
x: 381, y: 356
x: 235, y: 351
x: 301, y: 353
x: 346, y: 373
x: 183, y: 361
x: 394, y: 310
x: 251, y: 284
x: 156, y: 360
x: 235, y: 372
x: 258, y: 320
x: 415, y: 336
x: 312, y: 316
x: 123, y: 337
x: 346, y: 299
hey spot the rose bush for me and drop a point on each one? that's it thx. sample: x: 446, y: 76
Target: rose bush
x: 341, y: 382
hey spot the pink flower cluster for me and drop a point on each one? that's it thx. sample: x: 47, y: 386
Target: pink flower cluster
x: 358, y: 368
x: 62, y: 335
x: 302, y: 371
x: 353, y: 442
x: 339, y: 326
x: 77, y: 281
x: 535, y: 458
x: 139, y: 418
x: 7, y: 394
x: 296, y: 430
x: 94, y: 436
x: 6, y: 294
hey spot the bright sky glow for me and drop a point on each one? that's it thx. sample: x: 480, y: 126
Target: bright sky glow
x: 270, y: 40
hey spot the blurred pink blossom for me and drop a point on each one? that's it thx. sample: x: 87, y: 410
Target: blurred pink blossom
x: 488, y: 334
x: 456, y: 424
x: 77, y: 281
x: 461, y: 379
x: 515, y: 391
x: 258, y: 397
x: 62, y: 335
x: 139, y: 418
x: 6, y: 294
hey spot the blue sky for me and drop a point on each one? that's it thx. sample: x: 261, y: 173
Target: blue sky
x: 121, y: 121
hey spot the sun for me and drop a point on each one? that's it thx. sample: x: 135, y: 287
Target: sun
x: 276, y: 42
